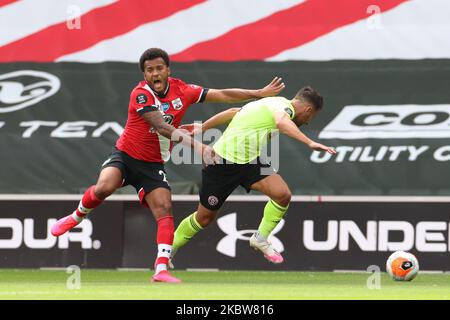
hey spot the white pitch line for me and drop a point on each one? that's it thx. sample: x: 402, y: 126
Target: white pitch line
x: 241, y: 198
x: 202, y: 269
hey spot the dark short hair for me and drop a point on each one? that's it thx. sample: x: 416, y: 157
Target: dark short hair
x: 310, y: 95
x: 153, y: 53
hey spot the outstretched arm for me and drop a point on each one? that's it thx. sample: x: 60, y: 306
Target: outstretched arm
x: 223, y: 117
x: 216, y: 120
x: 240, y: 95
x: 288, y: 127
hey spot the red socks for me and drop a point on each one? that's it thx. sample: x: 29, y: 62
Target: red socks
x: 164, y: 239
x: 87, y: 203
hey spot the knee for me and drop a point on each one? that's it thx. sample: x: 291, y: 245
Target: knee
x: 284, y: 198
x: 103, y: 190
x: 162, y: 208
x: 204, y: 219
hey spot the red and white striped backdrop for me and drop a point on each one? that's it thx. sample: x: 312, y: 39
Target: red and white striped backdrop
x: 224, y: 30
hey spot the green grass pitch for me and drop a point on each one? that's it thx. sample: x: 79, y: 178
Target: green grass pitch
x: 31, y: 284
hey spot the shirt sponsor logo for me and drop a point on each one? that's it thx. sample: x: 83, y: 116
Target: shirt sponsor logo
x: 165, y: 106
x: 177, y: 104
x: 24, y: 88
x: 391, y: 121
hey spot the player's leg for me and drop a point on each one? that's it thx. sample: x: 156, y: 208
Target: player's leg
x: 110, y: 179
x: 278, y: 191
x: 280, y: 196
x: 160, y: 204
x: 218, y: 182
x: 191, y: 225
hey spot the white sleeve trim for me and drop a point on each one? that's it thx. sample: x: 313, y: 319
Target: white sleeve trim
x: 200, y: 96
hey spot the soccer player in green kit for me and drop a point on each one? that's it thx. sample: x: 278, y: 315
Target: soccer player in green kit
x: 240, y: 147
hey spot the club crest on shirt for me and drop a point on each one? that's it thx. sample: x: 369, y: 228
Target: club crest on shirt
x: 177, y: 104
x: 165, y: 106
x: 141, y: 98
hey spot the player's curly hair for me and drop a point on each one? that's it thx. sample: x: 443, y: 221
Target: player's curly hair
x: 310, y: 95
x: 151, y: 54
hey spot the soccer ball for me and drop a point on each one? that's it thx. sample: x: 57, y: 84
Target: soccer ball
x: 402, y: 266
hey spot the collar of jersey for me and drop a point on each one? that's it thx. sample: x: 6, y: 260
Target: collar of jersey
x: 165, y: 91
x: 293, y: 109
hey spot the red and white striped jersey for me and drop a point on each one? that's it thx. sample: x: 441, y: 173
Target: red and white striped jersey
x: 138, y: 139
